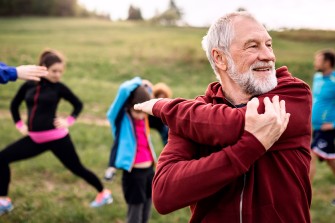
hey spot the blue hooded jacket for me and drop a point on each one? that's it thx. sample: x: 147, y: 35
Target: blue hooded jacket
x: 125, y: 145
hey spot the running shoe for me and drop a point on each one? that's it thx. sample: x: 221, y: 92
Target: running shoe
x: 5, y: 206
x: 103, y: 198
x: 333, y: 202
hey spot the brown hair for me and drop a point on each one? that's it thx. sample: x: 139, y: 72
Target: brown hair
x: 161, y: 88
x: 49, y: 57
x: 328, y: 55
x: 139, y: 95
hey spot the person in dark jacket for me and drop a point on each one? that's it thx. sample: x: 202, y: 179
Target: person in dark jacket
x: 23, y: 72
x: 223, y: 159
x: 45, y: 131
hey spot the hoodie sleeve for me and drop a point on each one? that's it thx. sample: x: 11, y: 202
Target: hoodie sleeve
x: 181, y: 180
x: 202, y: 122
x: 7, y: 73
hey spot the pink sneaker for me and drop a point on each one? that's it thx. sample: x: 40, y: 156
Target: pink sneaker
x: 5, y: 206
x: 103, y: 198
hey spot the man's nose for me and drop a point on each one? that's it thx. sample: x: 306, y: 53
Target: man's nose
x: 267, y: 54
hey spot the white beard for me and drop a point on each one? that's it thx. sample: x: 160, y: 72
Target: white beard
x: 250, y: 83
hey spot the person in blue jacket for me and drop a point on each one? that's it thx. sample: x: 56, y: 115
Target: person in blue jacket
x: 323, y: 115
x: 23, y: 72
x: 132, y: 150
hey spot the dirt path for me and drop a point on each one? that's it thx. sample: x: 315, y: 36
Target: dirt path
x: 86, y: 119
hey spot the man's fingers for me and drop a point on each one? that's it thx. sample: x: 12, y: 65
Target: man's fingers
x: 146, y: 106
x: 32, y: 78
x: 275, y: 103
x: 252, y: 106
x: 269, y: 108
x: 138, y: 106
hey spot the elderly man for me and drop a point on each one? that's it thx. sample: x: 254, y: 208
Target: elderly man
x: 225, y: 160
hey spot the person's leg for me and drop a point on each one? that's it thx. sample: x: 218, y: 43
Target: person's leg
x: 19, y: 150
x: 64, y: 150
x: 134, y: 213
x: 22, y: 149
x: 133, y: 187
x: 146, y: 211
x: 313, y: 166
x: 331, y: 164
x: 149, y: 172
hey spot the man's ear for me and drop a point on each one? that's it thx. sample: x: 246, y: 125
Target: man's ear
x: 219, y: 59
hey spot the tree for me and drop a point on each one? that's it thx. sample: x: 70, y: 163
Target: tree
x: 170, y: 16
x: 134, y: 13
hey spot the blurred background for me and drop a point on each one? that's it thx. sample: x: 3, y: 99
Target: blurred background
x: 107, y: 42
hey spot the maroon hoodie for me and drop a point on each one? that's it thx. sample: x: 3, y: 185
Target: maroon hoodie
x: 223, y: 172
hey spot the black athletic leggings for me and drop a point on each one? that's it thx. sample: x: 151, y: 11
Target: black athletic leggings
x: 62, y: 148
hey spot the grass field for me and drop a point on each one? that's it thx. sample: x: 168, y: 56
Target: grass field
x: 100, y: 55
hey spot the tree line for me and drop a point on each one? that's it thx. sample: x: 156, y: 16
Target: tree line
x: 71, y: 8
x: 42, y: 8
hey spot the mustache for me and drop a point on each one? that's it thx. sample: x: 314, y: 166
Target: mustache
x: 261, y: 64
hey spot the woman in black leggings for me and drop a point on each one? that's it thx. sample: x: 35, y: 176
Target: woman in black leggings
x: 44, y: 131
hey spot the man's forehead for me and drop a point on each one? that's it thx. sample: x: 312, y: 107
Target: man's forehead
x: 248, y: 29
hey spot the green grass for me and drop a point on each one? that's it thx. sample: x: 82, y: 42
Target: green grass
x: 100, y: 56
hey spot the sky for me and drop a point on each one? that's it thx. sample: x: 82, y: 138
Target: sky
x: 275, y: 14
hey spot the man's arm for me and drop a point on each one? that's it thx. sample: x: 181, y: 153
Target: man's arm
x: 180, y: 175
x: 180, y: 180
x: 202, y: 122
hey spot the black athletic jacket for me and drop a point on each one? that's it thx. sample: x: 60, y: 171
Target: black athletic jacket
x: 42, y: 99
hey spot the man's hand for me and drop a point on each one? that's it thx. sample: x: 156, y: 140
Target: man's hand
x: 267, y: 127
x: 146, y: 106
x: 31, y: 72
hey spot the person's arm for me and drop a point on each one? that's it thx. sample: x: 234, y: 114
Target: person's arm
x: 14, y: 109
x: 181, y: 180
x: 31, y: 72
x: 24, y: 72
x: 205, y: 123
x: 180, y: 174
x: 68, y: 95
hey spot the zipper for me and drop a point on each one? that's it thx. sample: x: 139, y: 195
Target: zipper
x: 33, y: 110
x: 241, y: 197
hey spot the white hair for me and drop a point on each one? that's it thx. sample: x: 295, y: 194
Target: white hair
x: 220, y: 35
